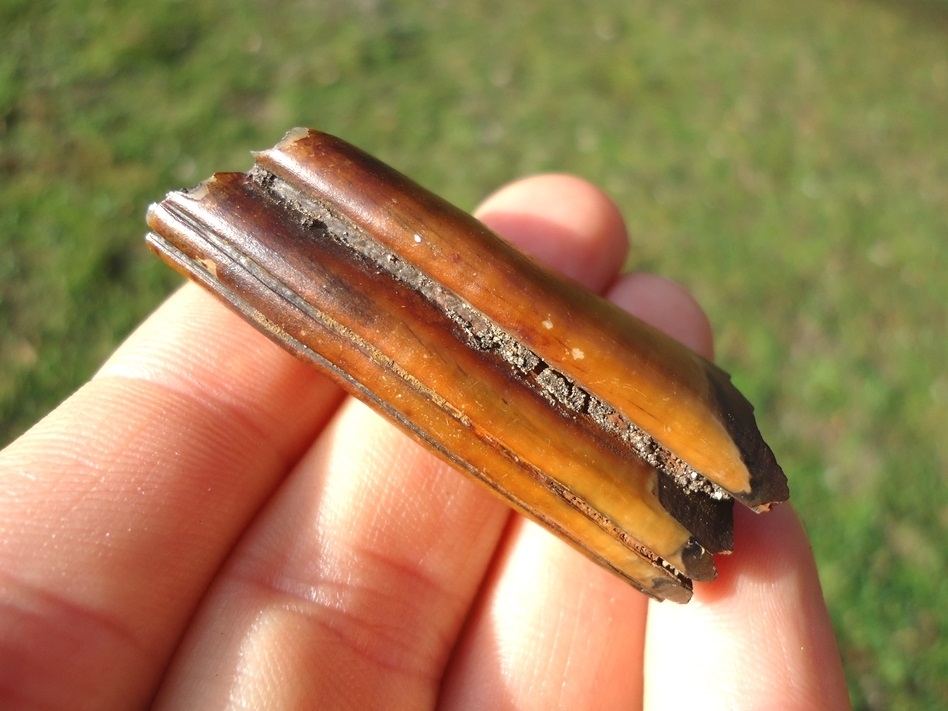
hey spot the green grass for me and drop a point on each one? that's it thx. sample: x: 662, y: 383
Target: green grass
x: 789, y: 162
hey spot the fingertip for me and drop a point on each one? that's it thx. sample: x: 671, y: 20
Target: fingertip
x: 767, y: 547
x: 667, y: 306
x: 761, y: 630
x: 563, y: 221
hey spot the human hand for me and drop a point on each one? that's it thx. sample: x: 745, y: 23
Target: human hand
x: 209, y: 523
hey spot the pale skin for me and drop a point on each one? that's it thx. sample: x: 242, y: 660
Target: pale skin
x: 209, y: 523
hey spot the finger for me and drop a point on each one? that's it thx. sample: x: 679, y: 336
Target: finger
x: 355, y: 582
x: 552, y: 629
x: 117, y: 509
x: 758, y: 637
x: 544, y: 213
x: 667, y: 306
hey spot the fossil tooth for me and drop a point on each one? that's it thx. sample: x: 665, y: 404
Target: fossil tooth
x: 620, y: 440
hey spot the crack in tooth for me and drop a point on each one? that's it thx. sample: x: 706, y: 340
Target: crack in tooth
x: 485, y: 335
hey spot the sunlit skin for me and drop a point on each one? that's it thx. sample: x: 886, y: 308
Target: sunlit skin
x: 209, y: 523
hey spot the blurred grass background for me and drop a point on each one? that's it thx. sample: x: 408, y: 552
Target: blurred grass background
x: 788, y: 162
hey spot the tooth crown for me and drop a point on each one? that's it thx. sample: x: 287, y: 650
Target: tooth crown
x: 620, y: 440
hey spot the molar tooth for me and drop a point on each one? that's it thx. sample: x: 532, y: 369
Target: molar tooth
x: 618, y: 439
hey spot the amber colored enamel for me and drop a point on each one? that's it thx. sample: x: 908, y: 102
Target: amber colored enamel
x: 390, y: 345
x: 400, y: 353
x: 666, y: 389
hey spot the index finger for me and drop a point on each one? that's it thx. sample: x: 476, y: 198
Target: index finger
x: 117, y: 509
